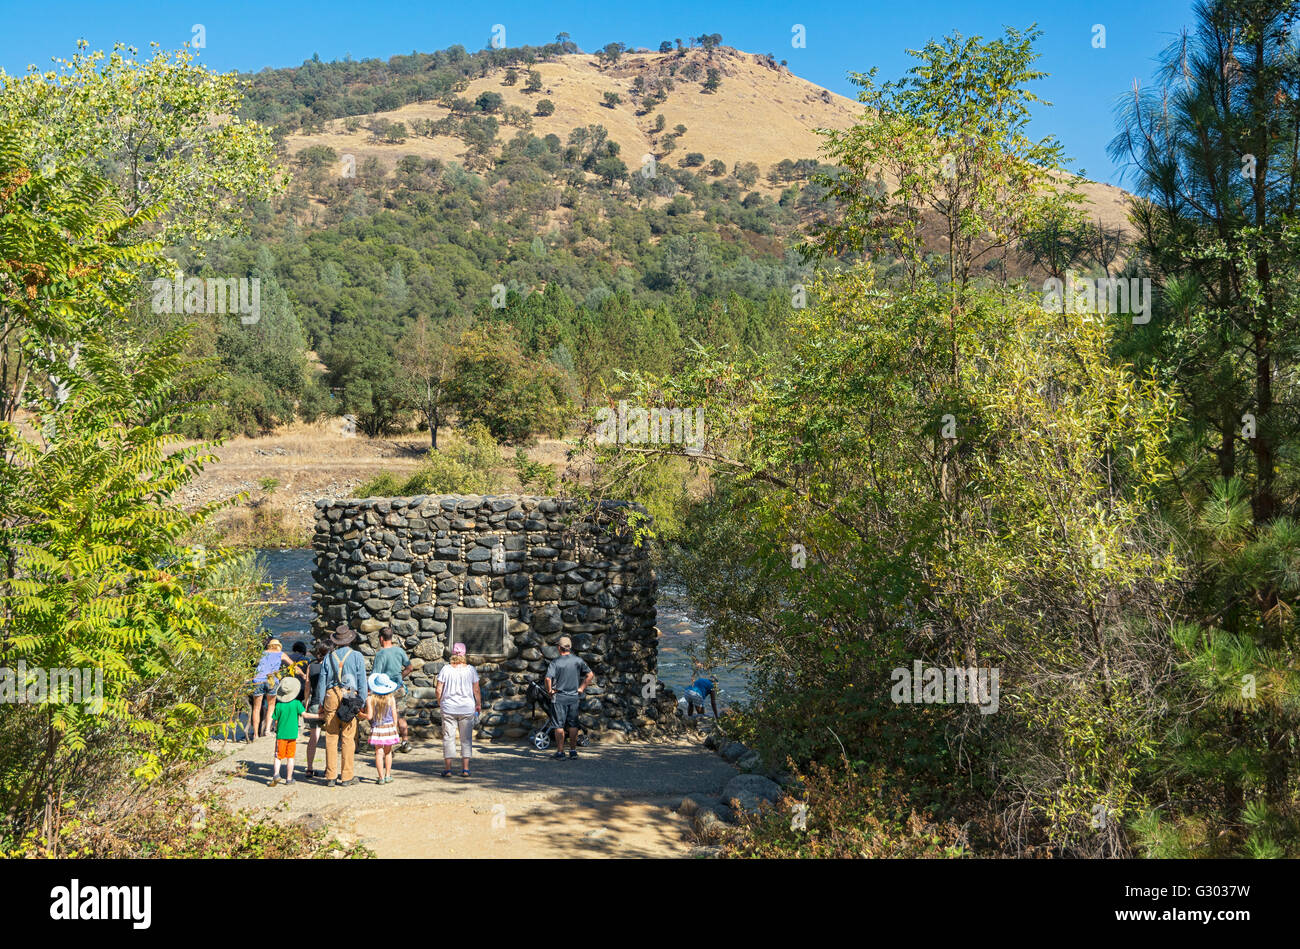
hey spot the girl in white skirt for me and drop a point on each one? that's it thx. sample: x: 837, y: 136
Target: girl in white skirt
x: 381, y: 712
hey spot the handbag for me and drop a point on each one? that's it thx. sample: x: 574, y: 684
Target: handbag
x: 348, y: 708
x: 349, y: 705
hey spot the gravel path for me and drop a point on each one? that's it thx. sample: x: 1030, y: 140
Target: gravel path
x: 613, y: 800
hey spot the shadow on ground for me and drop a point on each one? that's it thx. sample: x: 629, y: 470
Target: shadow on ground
x: 613, y: 800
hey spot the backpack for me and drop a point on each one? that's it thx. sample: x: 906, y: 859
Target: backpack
x: 349, y: 704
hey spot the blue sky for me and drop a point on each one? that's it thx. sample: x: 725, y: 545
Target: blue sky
x: 841, y: 37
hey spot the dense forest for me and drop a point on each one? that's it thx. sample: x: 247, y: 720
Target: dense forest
x: 642, y: 267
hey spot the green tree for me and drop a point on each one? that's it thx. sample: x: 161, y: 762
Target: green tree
x: 496, y: 384
x: 611, y: 169
x: 94, y: 574
x: 426, y: 359
x: 952, y: 135
x: 488, y: 101
x: 746, y: 173
x: 1213, y: 151
x: 150, y: 125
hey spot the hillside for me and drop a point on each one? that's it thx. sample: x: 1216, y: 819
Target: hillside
x: 504, y: 190
x: 761, y: 113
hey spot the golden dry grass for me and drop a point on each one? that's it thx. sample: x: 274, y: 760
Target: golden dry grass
x: 759, y: 114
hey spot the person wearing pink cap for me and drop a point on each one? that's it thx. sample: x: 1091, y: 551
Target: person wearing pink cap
x: 460, y: 701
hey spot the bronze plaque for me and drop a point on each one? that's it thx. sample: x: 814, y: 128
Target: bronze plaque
x: 483, y: 631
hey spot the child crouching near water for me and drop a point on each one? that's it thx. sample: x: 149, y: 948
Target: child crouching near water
x: 286, y: 717
x: 381, y: 712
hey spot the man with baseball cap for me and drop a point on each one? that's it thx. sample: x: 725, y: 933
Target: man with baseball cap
x: 342, y: 675
x: 567, y: 678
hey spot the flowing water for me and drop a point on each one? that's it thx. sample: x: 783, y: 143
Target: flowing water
x: 681, y: 630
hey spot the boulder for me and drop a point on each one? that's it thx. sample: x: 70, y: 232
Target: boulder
x: 733, y: 751
x: 695, y: 802
x: 750, y: 761
x: 748, y: 791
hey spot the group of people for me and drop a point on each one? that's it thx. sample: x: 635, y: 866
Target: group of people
x: 331, y: 691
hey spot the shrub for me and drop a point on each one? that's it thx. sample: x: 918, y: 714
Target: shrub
x: 468, y: 463
x: 846, y: 814
x: 178, y: 825
x: 537, y: 475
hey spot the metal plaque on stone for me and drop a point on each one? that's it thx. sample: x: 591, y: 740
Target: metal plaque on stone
x: 483, y: 631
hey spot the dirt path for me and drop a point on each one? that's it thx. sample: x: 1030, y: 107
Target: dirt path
x: 616, y: 800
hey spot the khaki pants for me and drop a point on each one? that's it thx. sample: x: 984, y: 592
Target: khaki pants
x: 451, y: 724
x: 334, y: 731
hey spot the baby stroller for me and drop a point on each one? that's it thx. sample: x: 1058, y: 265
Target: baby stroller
x: 544, y: 736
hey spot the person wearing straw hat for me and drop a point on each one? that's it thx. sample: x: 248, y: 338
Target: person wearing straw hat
x: 343, y: 676
x: 381, y: 712
x: 262, y: 689
x: 288, y: 717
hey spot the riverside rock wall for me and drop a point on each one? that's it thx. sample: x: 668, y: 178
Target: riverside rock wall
x: 554, y: 567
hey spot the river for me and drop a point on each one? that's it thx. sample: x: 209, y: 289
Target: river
x: 681, y: 630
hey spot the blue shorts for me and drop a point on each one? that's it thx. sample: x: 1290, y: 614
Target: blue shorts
x: 695, y: 699
x: 261, y: 688
x: 566, y: 710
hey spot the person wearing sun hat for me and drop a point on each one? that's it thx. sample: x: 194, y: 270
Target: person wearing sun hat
x: 288, y: 716
x: 262, y: 689
x: 381, y: 712
x: 393, y: 661
x: 342, y: 676
x: 459, y: 700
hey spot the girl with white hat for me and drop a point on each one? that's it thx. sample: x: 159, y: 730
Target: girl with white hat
x: 381, y: 712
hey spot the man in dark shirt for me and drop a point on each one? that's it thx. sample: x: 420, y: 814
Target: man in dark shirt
x: 567, y: 679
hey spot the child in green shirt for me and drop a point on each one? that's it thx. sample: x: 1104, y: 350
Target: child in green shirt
x: 288, y: 713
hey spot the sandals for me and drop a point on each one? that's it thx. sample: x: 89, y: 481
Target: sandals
x: 464, y: 773
x: 447, y: 773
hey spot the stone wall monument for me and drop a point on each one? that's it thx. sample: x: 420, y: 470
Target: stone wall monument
x: 508, y: 576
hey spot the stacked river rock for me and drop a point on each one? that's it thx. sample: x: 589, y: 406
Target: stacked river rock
x: 554, y: 567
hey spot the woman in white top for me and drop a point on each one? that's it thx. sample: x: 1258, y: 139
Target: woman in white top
x: 460, y: 702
